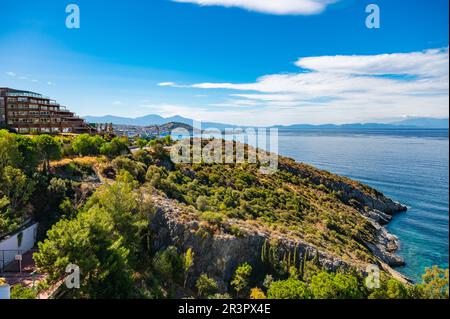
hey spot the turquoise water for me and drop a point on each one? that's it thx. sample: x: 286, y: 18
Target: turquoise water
x: 409, y: 166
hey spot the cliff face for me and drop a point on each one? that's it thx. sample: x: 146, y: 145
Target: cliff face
x: 373, y: 205
x: 368, y: 200
x: 218, y: 252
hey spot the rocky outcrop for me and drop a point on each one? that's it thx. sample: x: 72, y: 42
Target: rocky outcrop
x: 369, y: 202
x: 218, y: 254
x: 385, y: 247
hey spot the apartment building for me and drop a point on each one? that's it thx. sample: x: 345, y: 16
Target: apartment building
x: 28, y: 112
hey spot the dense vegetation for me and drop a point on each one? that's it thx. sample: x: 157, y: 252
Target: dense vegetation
x: 29, y: 188
x: 97, y: 210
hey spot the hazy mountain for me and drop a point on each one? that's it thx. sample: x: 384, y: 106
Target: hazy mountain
x: 352, y: 126
x: 154, y: 119
x: 424, y: 122
x: 150, y: 120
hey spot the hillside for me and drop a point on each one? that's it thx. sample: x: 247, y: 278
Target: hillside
x: 301, y: 210
x: 140, y: 226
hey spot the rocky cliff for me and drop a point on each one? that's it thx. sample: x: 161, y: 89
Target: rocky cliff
x: 218, y: 252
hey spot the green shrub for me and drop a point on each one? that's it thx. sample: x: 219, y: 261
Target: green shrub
x: 205, y: 286
x: 20, y: 292
x: 212, y: 218
x: 288, y: 289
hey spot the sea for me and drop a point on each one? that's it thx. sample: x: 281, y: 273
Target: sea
x: 410, y: 166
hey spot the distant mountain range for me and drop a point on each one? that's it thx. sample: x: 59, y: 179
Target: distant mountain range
x: 154, y: 119
x: 428, y: 123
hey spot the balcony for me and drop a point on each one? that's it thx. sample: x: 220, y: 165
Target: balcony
x: 25, y: 94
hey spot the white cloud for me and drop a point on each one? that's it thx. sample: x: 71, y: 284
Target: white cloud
x: 343, y: 89
x: 11, y: 74
x: 167, y: 84
x: 278, y: 7
x: 117, y: 102
x: 426, y: 63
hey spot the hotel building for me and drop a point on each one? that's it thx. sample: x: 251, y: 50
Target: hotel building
x: 29, y: 112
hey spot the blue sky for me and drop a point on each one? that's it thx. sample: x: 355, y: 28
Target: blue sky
x: 293, y: 61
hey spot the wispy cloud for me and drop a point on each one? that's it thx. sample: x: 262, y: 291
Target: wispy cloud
x: 167, y: 84
x: 348, y: 88
x: 278, y: 7
x: 26, y: 78
x: 117, y: 102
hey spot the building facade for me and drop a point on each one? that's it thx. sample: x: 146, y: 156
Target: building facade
x: 28, y: 112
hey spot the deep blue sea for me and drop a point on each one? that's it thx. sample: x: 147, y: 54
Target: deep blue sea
x: 409, y: 166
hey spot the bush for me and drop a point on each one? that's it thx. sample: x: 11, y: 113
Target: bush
x: 20, y: 292
x: 202, y: 203
x: 288, y: 289
x: 257, y: 293
x: 435, y: 283
x: 143, y: 156
x: 117, y: 146
x: 169, y: 264
x: 205, y: 286
x: 136, y: 169
x: 241, y: 278
x: 212, y: 218
x: 326, y: 285
x: 86, y: 144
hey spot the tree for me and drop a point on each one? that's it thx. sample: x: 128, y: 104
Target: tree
x: 30, y: 153
x: 20, y: 292
x: 136, y: 169
x: 188, y: 263
x: 16, y: 186
x: 130, y: 211
x: 202, y: 203
x: 205, y: 286
x: 257, y: 293
x: 117, y: 146
x: 169, y: 265
x: 143, y: 156
x: 241, y: 278
x: 49, y: 149
x: 9, y: 150
x: 288, y: 289
x: 391, y: 289
x: 108, y: 239
x: 326, y: 285
x: 86, y: 144
x: 435, y: 283
x: 141, y: 143
x: 91, y: 242
x: 396, y: 290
